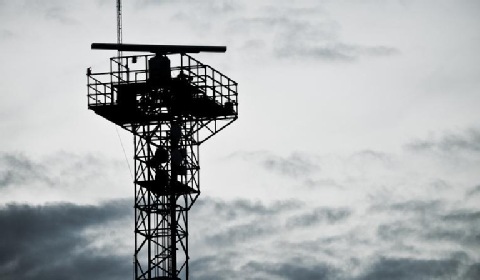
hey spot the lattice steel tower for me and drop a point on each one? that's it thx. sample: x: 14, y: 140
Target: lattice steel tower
x: 171, y: 103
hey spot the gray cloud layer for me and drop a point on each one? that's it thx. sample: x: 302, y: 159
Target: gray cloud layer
x: 304, y: 33
x: 61, y: 174
x: 319, y: 215
x: 468, y: 141
x: 409, y: 239
x: 286, y: 30
x: 398, y: 269
x: 48, y: 242
x: 399, y: 238
x: 296, y: 165
x: 19, y: 169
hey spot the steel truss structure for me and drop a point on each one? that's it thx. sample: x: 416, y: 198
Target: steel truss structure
x: 171, y: 103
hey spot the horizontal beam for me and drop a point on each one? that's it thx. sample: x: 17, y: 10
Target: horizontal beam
x: 158, y: 49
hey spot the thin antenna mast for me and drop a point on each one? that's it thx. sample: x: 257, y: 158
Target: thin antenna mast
x: 119, y: 25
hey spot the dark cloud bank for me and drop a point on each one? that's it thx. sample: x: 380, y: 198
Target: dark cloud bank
x: 47, y: 242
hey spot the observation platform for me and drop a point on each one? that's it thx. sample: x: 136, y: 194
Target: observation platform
x: 145, y: 89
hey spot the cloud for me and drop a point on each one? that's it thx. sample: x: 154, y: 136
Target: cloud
x: 242, y: 207
x: 54, y: 10
x: 59, y: 175
x: 240, y: 233
x: 305, y: 31
x: 295, y: 165
x: 60, y: 14
x: 335, y: 51
x: 416, y: 206
x: 6, y: 34
x: 463, y: 216
x: 310, y: 34
x: 431, y: 221
x: 242, y: 239
x: 302, y: 269
x: 224, y: 267
x: 404, y: 243
x: 215, y: 7
x: 473, y: 192
x: 18, y: 169
x: 209, y: 3
x: 49, y: 241
x: 239, y: 221
x: 319, y: 215
x: 473, y: 272
x: 468, y: 141
x: 404, y: 268
x: 276, y: 234
x: 193, y: 11
x: 288, y: 30
x: 460, y: 227
x: 292, y: 270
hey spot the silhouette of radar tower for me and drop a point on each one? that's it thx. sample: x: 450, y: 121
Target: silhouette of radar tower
x: 171, y: 103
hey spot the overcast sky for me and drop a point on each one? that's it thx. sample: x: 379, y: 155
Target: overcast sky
x: 356, y: 154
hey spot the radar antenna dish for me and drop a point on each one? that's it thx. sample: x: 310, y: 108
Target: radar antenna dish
x: 159, y: 49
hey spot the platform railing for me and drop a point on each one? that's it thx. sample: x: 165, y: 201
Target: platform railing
x: 102, y: 87
x: 99, y: 93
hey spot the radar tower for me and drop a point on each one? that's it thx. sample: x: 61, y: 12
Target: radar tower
x: 171, y: 103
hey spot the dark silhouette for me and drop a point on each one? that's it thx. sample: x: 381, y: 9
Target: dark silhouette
x: 171, y: 108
